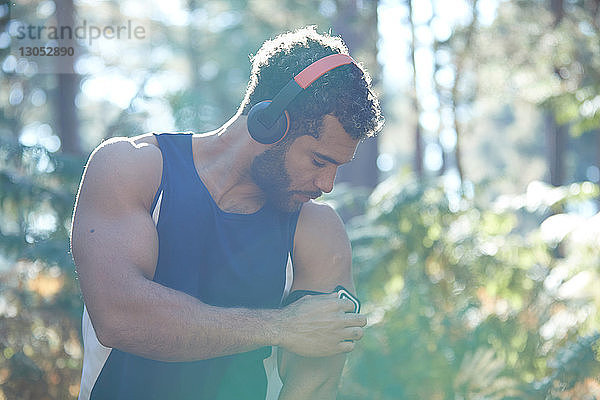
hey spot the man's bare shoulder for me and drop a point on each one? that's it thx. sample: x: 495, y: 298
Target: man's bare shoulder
x: 149, y: 138
x: 133, y: 166
x: 317, y: 216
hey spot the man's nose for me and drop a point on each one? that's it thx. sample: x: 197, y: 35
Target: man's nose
x: 326, y: 178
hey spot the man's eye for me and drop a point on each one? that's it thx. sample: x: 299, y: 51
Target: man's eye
x: 318, y: 164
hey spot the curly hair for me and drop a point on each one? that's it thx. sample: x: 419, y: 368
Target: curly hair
x: 344, y: 92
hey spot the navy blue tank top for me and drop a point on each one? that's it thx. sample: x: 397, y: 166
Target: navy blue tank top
x: 223, y: 259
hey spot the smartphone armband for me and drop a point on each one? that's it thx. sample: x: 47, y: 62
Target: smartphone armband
x: 342, y: 292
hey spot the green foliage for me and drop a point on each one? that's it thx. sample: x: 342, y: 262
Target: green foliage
x: 555, y: 65
x: 40, y: 305
x: 40, y: 346
x: 460, y: 299
x: 572, y: 365
x: 34, y: 183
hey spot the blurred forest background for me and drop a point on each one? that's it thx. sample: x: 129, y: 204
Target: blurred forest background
x: 473, y: 216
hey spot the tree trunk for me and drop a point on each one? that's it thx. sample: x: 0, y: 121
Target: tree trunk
x: 418, y: 139
x: 461, y: 58
x: 68, y: 86
x: 439, y: 92
x: 596, y: 13
x: 556, y: 139
x: 597, y: 133
x: 556, y: 136
x: 360, y: 34
x: 557, y: 10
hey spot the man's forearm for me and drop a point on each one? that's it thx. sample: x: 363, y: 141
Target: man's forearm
x: 164, y: 324
x: 142, y: 317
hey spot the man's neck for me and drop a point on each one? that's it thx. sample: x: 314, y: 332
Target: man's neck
x: 223, y: 159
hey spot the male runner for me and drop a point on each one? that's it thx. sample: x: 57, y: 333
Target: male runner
x: 184, y: 245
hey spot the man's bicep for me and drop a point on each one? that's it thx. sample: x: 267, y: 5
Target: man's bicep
x: 113, y: 237
x: 322, y: 252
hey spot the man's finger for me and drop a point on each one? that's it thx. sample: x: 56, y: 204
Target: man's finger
x: 354, y: 333
x: 347, y: 346
x: 356, y: 320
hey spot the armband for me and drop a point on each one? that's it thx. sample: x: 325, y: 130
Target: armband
x: 342, y: 292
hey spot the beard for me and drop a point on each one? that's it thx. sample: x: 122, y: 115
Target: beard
x: 269, y: 173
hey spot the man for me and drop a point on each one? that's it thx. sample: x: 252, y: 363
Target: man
x: 181, y: 243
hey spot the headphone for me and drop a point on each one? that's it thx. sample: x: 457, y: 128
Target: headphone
x: 268, y: 121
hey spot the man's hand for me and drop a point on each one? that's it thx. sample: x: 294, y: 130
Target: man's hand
x: 320, y: 325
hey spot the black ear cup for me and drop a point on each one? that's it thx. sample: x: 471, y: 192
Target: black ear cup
x: 263, y: 133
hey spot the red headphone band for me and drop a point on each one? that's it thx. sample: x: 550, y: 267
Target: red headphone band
x: 315, y: 70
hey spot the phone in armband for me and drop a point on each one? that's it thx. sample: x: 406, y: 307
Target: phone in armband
x: 343, y: 293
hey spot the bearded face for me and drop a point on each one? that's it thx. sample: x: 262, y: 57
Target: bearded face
x: 293, y: 172
x: 269, y: 173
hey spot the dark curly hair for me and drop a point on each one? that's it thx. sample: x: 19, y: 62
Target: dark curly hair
x: 344, y: 92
